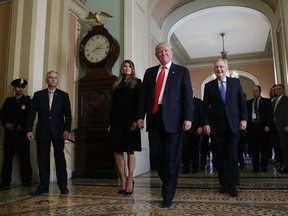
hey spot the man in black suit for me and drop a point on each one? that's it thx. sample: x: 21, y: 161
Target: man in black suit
x: 191, y: 139
x: 225, y: 113
x: 280, y: 117
x: 258, y: 129
x: 167, y: 117
x: 54, y: 125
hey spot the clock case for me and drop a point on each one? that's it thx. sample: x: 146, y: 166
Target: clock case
x: 93, y: 157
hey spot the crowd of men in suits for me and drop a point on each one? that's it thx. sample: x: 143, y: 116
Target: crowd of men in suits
x: 264, y: 140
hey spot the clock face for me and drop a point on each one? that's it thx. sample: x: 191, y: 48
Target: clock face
x: 97, y: 48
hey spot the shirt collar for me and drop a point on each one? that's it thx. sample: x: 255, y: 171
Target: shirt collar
x: 279, y: 97
x: 224, y: 80
x: 51, y: 90
x: 168, y: 65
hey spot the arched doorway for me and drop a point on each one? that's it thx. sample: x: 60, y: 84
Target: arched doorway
x: 247, y: 80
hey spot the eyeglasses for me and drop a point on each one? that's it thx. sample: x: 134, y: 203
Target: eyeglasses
x: 219, y: 66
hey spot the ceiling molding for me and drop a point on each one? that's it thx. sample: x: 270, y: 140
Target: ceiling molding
x: 248, y: 58
x: 178, y: 48
x: 5, y: 1
x: 272, y: 4
x: 172, y: 10
x: 81, y: 3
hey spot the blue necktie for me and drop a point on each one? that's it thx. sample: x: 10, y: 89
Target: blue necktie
x: 223, y: 92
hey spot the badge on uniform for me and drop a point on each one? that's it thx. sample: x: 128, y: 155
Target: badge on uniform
x: 23, y: 107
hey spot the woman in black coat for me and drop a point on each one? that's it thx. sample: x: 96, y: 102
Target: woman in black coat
x: 123, y: 130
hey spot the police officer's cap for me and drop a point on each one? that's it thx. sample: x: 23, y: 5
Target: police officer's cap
x: 19, y: 83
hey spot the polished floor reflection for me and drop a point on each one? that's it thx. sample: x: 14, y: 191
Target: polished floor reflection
x: 197, y: 194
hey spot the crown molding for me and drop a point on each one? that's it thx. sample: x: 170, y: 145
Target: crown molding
x: 81, y: 3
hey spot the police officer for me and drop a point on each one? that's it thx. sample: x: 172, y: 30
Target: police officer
x: 13, y: 116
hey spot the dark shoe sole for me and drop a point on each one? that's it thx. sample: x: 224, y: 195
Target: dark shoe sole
x: 64, y: 191
x: 38, y: 192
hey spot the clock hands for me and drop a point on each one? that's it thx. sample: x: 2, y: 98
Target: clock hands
x: 99, y: 47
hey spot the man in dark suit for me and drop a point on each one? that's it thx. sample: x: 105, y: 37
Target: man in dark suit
x: 169, y: 113
x: 280, y: 117
x: 191, y: 139
x: 54, y: 125
x: 258, y: 129
x: 225, y: 113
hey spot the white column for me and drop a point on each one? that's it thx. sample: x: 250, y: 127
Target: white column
x: 284, y: 18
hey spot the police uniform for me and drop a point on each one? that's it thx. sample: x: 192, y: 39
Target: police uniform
x: 14, y: 111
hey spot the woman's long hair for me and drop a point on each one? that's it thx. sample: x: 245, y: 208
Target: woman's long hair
x: 132, y: 80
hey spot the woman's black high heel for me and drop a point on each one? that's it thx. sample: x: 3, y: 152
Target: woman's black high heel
x: 121, y: 191
x: 126, y: 193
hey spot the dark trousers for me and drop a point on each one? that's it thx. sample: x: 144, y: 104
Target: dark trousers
x: 259, y: 142
x: 283, y: 141
x: 204, y: 150
x: 241, y: 147
x: 190, y: 150
x: 16, y: 142
x: 276, y: 145
x: 225, y: 152
x: 43, y: 159
x: 165, y: 155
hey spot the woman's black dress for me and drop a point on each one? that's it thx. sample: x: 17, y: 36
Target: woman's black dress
x: 123, y: 114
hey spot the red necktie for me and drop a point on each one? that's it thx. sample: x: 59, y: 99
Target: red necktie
x: 159, y: 84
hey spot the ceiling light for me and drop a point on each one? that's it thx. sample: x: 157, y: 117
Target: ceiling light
x: 223, y: 52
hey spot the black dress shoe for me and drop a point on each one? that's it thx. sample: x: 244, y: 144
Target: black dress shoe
x: 185, y: 171
x: 38, y: 192
x: 64, y: 191
x: 26, y: 184
x: 233, y: 192
x: 283, y: 170
x: 264, y: 170
x: 166, y: 204
x: 195, y: 171
x: 4, y: 185
x: 223, y: 189
x: 255, y: 171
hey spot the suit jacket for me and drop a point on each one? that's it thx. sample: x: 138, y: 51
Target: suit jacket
x: 281, y: 114
x: 197, y: 114
x: 53, y: 122
x: 264, y: 110
x: 216, y: 112
x: 177, y: 104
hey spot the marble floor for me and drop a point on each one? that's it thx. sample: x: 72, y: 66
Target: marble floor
x: 197, y: 194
